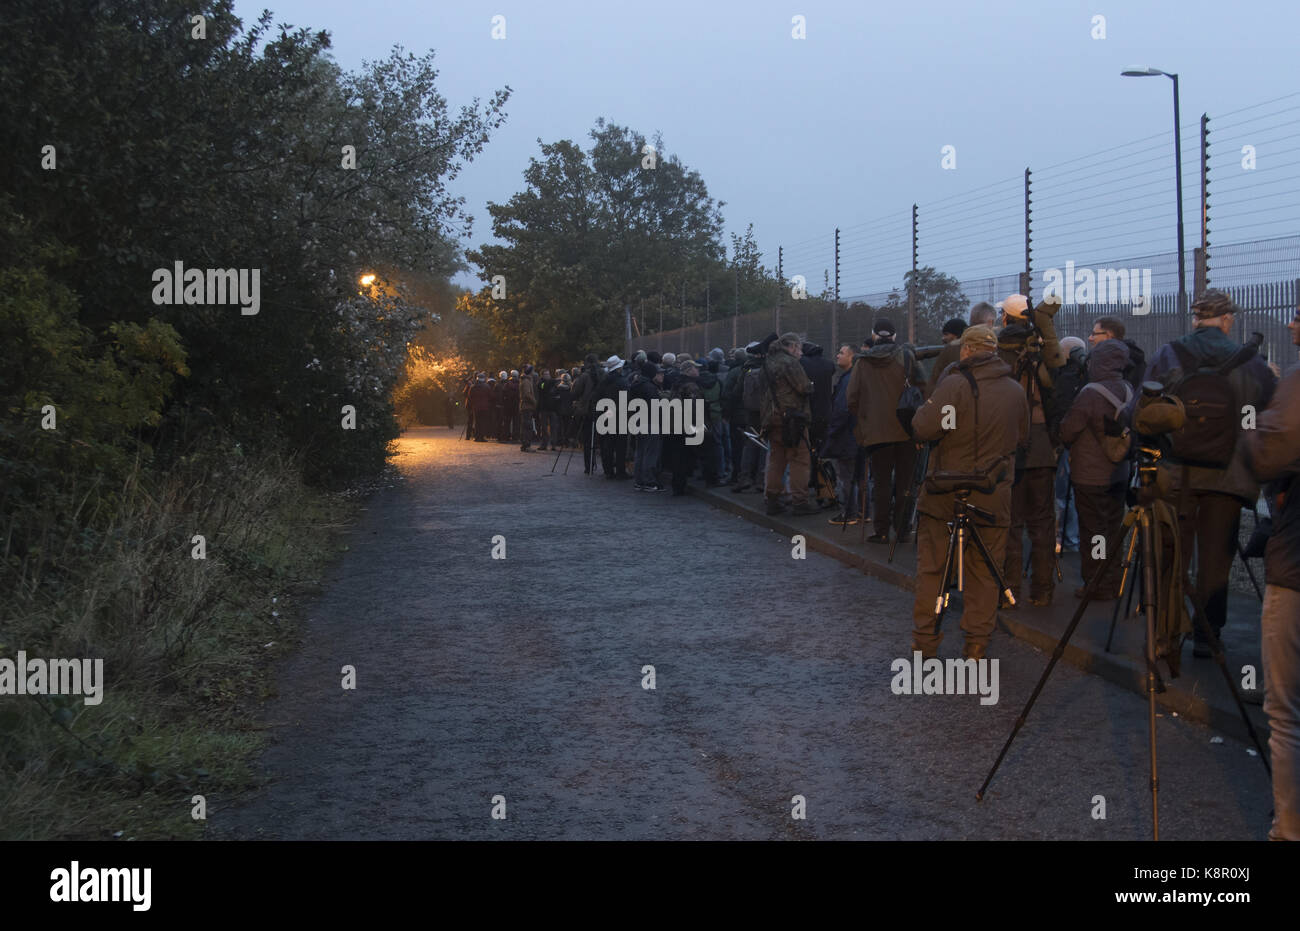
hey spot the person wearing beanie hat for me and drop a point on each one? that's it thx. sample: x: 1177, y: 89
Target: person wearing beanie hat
x: 1028, y: 343
x: 654, y: 357
x: 639, y: 356
x: 952, y: 330
x: 973, y: 431
x: 1211, y: 499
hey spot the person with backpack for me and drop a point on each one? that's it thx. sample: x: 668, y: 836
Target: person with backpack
x: 1028, y: 343
x: 878, y: 380
x: 1272, y: 451
x: 1219, y: 382
x: 785, y: 417
x: 1066, y: 383
x: 820, y: 371
x: 1113, y: 328
x: 1095, y: 432
x: 987, y: 426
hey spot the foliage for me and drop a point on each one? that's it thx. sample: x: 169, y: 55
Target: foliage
x: 593, y: 233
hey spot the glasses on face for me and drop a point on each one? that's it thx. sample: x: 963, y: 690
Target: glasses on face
x: 1096, y: 333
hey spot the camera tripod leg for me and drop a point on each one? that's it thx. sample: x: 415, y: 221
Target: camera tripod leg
x: 1057, y: 653
x: 1250, y: 572
x: 1126, y: 585
x: 941, y: 600
x: 1149, y: 609
x: 992, y: 564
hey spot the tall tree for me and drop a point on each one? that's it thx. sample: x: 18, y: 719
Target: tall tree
x: 593, y: 232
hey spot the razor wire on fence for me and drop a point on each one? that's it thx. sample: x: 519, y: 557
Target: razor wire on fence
x: 1044, y: 229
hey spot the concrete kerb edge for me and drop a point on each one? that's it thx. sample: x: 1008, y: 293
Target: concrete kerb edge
x: 1115, y: 668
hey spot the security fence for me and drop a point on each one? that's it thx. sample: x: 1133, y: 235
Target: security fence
x: 1044, y: 229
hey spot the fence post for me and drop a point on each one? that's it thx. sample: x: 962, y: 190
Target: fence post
x: 780, y: 283
x: 835, y: 307
x: 1202, y: 272
x: 911, y: 291
x: 1027, y: 283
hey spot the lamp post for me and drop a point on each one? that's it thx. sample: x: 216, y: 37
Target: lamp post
x: 1178, y: 175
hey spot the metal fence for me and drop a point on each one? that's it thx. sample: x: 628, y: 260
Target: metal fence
x: 1241, y: 175
x: 1266, y: 308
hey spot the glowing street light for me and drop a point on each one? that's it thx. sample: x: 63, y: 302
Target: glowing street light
x: 367, y: 280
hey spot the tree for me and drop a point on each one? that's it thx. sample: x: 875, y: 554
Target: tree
x: 939, y: 298
x: 229, y: 152
x: 592, y: 233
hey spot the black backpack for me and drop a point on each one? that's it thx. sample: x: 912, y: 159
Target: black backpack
x: 1209, y: 435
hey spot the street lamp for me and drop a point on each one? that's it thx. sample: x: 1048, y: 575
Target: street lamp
x: 1178, y: 175
x: 366, y: 280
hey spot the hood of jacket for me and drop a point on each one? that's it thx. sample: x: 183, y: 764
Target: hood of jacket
x: 1107, y: 361
x: 882, y: 354
x: 1210, y: 344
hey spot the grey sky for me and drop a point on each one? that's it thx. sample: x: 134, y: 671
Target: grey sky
x: 847, y: 125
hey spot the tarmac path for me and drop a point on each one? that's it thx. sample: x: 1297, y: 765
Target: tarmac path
x: 522, y: 677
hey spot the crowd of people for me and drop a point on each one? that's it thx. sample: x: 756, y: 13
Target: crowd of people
x: 1040, y: 433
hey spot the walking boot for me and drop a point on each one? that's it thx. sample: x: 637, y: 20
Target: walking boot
x: 774, y: 505
x: 974, y: 650
x: 804, y: 508
x: 927, y: 652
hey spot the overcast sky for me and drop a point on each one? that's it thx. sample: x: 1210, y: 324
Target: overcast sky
x: 847, y: 125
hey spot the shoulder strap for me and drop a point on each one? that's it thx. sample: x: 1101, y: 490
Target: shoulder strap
x: 975, y: 401
x: 1240, y: 357
x: 1110, y: 395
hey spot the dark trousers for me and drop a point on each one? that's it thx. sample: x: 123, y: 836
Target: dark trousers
x: 980, y: 596
x: 679, y: 457
x: 1033, y: 508
x: 613, y: 453
x: 1212, y: 519
x: 1101, y: 510
x: 588, y: 439
x: 892, y: 465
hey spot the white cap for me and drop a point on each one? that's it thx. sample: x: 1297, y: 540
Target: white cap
x: 1017, y: 305
x: 613, y: 363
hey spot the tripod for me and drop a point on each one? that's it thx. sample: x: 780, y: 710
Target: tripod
x: 1141, y: 518
x: 954, y: 566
